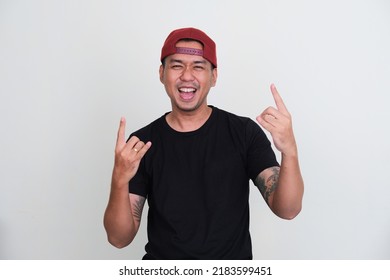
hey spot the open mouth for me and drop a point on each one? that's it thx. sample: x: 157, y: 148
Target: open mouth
x: 187, y: 93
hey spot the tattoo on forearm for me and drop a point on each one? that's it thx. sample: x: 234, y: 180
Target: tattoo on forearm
x: 267, y: 186
x: 137, y: 206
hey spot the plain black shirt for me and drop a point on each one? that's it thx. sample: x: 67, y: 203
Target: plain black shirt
x: 197, y: 186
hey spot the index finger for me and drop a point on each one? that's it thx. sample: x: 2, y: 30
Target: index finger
x: 278, y: 100
x: 121, y: 140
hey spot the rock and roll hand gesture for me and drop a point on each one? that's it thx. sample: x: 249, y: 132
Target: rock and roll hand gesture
x: 128, y: 154
x: 278, y: 122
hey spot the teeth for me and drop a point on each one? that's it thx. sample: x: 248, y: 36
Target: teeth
x: 187, y: 89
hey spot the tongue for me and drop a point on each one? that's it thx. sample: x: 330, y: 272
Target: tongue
x: 186, y: 95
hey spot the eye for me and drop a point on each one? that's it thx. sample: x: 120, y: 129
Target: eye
x: 199, y: 67
x: 176, y: 66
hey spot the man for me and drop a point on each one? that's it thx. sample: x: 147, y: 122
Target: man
x: 196, y: 174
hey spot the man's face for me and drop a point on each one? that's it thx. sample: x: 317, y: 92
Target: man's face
x: 187, y: 78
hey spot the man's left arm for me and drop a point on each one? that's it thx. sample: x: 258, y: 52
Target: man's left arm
x: 282, y: 187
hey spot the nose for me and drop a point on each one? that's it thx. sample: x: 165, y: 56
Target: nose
x: 187, y: 74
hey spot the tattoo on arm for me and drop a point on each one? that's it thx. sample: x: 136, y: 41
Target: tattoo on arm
x: 137, y: 208
x: 268, y: 182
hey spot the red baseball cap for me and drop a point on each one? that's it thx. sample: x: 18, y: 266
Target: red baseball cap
x: 209, y: 48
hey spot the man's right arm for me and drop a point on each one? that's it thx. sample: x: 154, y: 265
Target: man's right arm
x: 123, y: 213
x: 123, y: 216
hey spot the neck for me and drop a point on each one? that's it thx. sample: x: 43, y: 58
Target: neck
x: 188, y: 121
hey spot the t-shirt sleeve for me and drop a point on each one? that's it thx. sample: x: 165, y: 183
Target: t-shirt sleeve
x: 260, y: 154
x: 138, y: 184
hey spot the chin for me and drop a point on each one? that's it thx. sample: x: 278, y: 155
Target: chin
x: 188, y: 107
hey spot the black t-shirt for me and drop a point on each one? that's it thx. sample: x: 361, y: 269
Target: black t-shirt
x: 197, y: 186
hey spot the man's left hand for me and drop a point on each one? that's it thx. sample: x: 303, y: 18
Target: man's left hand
x: 278, y: 122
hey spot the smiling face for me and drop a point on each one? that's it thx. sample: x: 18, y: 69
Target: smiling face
x: 187, y: 79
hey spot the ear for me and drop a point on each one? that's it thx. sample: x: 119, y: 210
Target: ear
x: 214, y: 78
x: 161, y: 73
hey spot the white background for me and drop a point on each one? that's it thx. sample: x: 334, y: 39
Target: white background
x: 70, y: 69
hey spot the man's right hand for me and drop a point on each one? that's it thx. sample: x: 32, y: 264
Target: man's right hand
x: 127, y: 155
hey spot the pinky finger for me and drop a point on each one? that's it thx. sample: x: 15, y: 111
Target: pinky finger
x: 144, y: 149
x: 266, y: 125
